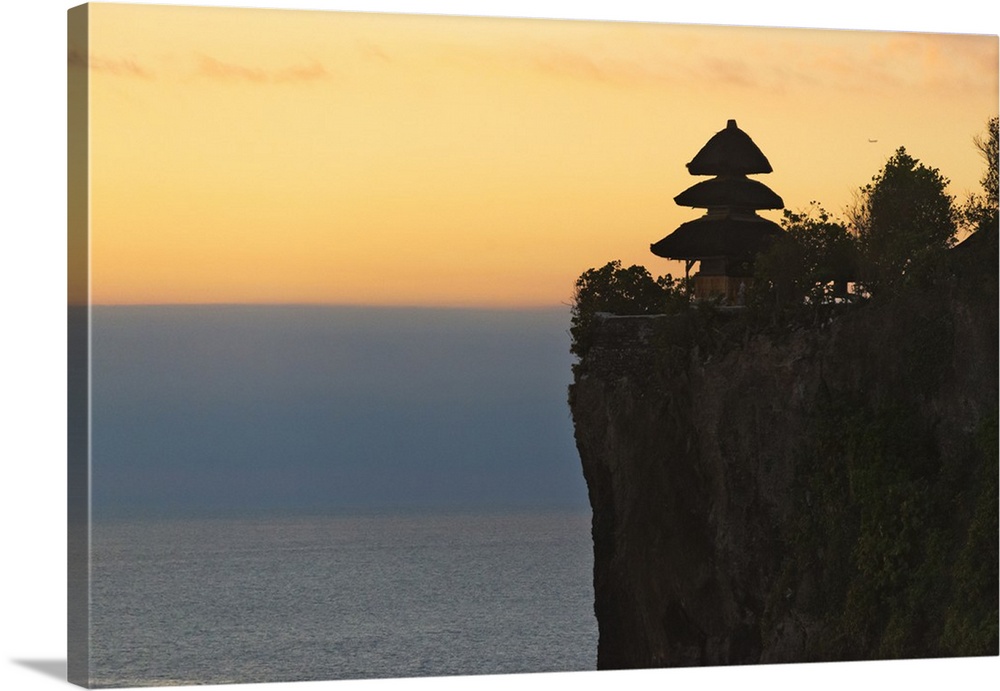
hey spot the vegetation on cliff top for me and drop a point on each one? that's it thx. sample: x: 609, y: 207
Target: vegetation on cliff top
x: 896, y: 238
x: 896, y: 535
x: 621, y: 291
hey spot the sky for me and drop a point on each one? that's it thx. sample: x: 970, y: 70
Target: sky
x: 321, y: 157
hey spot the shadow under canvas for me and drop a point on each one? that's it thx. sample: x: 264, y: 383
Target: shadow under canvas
x: 50, y: 668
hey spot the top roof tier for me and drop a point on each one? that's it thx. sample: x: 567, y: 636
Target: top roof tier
x: 729, y: 152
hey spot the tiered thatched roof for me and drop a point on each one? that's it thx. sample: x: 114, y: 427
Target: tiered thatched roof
x: 734, y: 236
x: 730, y: 190
x: 729, y: 151
x: 730, y: 228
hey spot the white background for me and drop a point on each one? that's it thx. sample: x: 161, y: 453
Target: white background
x: 32, y: 385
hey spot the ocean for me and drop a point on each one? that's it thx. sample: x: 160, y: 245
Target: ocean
x: 209, y: 408
x: 323, y: 597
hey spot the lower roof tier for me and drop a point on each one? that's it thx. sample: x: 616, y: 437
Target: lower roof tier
x: 725, y: 236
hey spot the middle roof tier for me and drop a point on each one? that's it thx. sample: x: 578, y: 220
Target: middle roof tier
x: 730, y: 190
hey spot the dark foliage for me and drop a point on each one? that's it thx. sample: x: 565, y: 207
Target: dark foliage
x: 897, y: 530
x: 905, y: 221
x: 979, y: 213
x: 811, y: 264
x: 621, y: 291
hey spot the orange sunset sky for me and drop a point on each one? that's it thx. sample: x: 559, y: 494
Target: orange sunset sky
x: 276, y: 156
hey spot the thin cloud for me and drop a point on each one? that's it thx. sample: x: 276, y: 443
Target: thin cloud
x: 657, y: 72
x: 373, y: 52
x: 901, y: 62
x: 227, y: 71
x: 572, y: 64
x: 301, y: 73
x: 730, y: 72
x: 783, y: 63
x: 946, y: 60
x: 121, y: 67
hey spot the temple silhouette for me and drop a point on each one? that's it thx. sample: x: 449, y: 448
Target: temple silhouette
x: 727, y: 239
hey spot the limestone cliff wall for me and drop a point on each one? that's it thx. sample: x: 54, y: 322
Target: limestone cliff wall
x: 795, y: 493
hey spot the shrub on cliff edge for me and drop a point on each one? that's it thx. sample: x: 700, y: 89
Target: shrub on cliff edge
x: 622, y: 291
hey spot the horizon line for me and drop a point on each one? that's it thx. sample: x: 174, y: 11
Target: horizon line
x: 352, y: 305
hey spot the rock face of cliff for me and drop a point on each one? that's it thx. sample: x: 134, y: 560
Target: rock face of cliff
x: 825, y: 491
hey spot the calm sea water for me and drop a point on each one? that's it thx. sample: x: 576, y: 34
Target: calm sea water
x: 336, y: 597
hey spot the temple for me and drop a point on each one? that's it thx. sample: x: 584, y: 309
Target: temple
x: 727, y: 239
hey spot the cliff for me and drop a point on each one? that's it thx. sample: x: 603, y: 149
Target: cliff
x: 769, y: 492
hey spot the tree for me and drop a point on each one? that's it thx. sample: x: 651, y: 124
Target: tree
x: 990, y: 150
x: 812, y: 262
x: 620, y: 291
x: 980, y: 210
x: 904, y: 220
